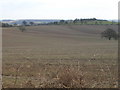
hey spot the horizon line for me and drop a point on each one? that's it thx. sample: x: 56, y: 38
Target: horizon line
x: 57, y: 19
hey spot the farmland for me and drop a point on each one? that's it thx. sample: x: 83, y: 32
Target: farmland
x: 60, y: 56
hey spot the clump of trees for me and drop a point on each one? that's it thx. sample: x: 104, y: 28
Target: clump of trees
x: 24, y: 23
x: 109, y: 34
x: 6, y: 25
x: 31, y: 23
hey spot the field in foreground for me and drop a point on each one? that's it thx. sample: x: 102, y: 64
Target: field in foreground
x: 59, y: 56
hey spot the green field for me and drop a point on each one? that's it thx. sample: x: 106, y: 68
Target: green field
x: 63, y: 56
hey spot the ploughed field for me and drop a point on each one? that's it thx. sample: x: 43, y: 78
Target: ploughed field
x: 59, y: 56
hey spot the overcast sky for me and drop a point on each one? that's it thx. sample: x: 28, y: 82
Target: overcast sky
x: 58, y: 9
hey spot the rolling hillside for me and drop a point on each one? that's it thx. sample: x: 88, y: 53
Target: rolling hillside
x: 44, y: 53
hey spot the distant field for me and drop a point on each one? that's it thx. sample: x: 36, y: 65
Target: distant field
x: 41, y: 55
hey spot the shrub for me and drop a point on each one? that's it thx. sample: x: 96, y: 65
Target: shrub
x: 22, y: 28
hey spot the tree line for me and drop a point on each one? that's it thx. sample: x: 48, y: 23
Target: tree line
x: 92, y: 21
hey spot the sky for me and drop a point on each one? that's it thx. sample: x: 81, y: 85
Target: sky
x: 58, y: 9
